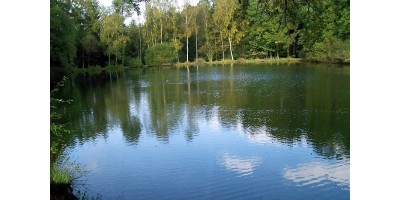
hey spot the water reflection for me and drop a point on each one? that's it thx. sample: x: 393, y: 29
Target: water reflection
x: 319, y: 174
x: 241, y: 166
x: 268, y: 105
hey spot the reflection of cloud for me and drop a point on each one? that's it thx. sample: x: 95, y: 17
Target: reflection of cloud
x: 214, y: 121
x: 319, y: 173
x: 261, y: 135
x: 239, y: 165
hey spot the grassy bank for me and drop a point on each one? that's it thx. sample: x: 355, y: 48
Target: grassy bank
x: 200, y: 62
x: 243, y: 61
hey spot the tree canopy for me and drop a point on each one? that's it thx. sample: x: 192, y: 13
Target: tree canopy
x: 83, y: 33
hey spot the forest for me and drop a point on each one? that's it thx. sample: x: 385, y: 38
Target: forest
x: 83, y: 33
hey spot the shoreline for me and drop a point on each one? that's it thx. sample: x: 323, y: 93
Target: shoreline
x: 98, y: 69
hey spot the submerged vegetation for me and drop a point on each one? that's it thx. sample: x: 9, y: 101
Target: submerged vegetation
x: 83, y: 33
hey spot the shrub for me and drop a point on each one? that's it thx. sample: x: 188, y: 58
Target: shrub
x: 133, y: 62
x: 331, y: 50
x: 241, y: 61
x: 161, y: 54
x: 200, y: 61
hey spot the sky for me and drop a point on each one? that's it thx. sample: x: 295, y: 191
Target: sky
x: 108, y: 3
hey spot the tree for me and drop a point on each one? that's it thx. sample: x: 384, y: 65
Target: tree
x: 225, y: 22
x: 90, y: 45
x: 188, y: 26
x: 62, y: 37
x: 177, y: 32
x: 125, y: 8
x: 113, y: 35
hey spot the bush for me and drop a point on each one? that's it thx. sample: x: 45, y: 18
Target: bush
x: 133, y: 62
x: 331, y: 50
x: 200, y: 61
x: 161, y: 54
x: 241, y: 61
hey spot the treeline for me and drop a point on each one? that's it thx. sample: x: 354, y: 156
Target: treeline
x: 83, y: 33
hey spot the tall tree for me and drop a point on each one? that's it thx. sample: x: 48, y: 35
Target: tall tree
x: 90, y: 45
x: 189, y: 16
x: 224, y: 20
x: 113, y: 35
x: 62, y: 35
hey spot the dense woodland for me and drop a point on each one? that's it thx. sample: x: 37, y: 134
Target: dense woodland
x: 83, y: 33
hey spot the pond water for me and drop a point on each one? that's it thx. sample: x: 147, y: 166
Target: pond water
x: 213, y: 132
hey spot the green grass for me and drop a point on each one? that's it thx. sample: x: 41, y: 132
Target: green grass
x: 244, y: 61
x: 60, y: 174
x: 65, y: 171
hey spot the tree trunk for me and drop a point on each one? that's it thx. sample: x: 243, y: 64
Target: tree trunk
x: 83, y: 60
x: 277, y: 51
x: 196, y: 47
x: 230, y: 46
x: 294, y: 50
x: 161, y: 25
x: 109, y: 59
x: 287, y: 50
x: 187, y: 40
x: 177, y: 52
x: 223, y: 52
x: 116, y: 60
x: 123, y: 55
x: 140, y: 48
x: 215, y: 47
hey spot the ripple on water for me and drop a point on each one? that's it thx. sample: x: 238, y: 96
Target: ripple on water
x: 317, y: 174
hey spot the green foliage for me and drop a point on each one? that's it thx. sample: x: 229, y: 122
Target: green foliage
x: 82, y: 33
x: 200, y: 61
x: 331, y: 50
x: 113, y: 34
x: 89, y: 43
x: 241, y: 61
x: 64, y: 171
x: 62, y: 37
x: 57, y: 127
x: 161, y: 54
x: 133, y: 62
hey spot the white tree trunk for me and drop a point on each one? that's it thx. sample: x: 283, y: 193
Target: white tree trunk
x: 223, y: 52
x: 230, y: 46
x: 187, y: 40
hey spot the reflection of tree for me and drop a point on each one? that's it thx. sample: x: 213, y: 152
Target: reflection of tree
x: 314, y: 104
x: 192, y: 127
x: 99, y: 105
x: 289, y: 105
x: 131, y: 128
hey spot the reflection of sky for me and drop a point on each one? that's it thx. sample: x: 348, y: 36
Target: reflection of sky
x: 242, y: 166
x: 214, y: 122
x: 260, y: 135
x: 318, y: 173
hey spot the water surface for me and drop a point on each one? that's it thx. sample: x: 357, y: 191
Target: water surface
x: 213, y: 132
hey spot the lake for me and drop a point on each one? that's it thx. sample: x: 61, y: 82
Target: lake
x: 212, y: 132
